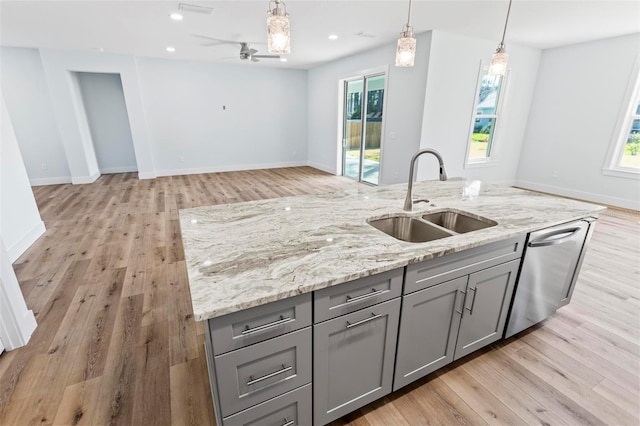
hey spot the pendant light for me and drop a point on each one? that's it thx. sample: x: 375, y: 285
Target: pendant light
x: 498, y: 64
x: 406, y: 51
x: 278, y: 33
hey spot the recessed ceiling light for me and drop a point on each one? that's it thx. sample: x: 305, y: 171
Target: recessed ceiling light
x: 283, y: 59
x: 333, y: 37
x: 176, y: 16
x: 171, y: 49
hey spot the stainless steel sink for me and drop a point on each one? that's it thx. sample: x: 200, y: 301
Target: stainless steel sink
x: 458, y: 221
x: 409, y: 229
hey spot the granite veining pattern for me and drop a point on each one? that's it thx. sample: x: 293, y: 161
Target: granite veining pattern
x: 247, y: 254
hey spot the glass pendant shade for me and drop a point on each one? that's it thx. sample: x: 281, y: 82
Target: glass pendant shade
x: 499, y: 60
x: 278, y: 32
x: 406, y: 50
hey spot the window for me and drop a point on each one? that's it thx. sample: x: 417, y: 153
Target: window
x: 486, y: 115
x: 624, y: 153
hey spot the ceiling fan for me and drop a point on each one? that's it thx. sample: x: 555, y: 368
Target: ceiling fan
x: 246, y: 52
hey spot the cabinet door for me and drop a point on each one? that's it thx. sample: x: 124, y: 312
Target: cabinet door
x: 428, y: 331
x: 486, y: 305
x: 353, y: 360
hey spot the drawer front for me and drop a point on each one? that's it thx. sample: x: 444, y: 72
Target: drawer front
x: 449, y: 267
x: 291, y: 409
x: 244, y: 328
x: 345, y: 298
x: 254, y: 374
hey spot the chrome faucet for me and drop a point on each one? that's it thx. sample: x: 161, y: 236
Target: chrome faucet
x: 408, y: 202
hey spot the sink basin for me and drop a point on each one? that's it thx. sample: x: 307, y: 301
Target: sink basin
x: 458, y: 221
x: 409, y: 229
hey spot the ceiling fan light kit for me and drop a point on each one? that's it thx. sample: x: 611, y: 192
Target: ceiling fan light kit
x: 500, y: 59
x: 278, y: 31
x: 406, y: 50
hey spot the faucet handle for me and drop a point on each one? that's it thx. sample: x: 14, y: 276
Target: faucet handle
x: 421, y: 200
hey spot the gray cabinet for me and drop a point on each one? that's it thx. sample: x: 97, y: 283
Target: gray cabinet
x: 485, y: 309
x: 449, y: 320
x: 353, y: 360
x: 430, y: 322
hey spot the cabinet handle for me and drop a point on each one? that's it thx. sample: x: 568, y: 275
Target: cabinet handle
x: 281, y: 321
x: 456, y: 300
x: 371, y: 318
x: 473, y: 302
x: 373, y: 293
x: 288, y: 422
x: 253, y: 381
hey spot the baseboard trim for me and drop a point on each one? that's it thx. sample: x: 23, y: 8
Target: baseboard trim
x: 82, y: 180
x: 321, y: 167
x: 147, y: 175
x: 50, y: 181
x: 16, y: 250
x: 580, y: 195
x: 111, y: 170
x: 219, y: 169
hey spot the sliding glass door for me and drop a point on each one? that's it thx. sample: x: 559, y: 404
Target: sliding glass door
x: 362, y: 127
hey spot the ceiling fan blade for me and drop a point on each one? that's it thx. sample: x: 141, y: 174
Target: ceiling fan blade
x: 267, y: 56
x: 254, y: 59
x: 252, y: 51
x: 216, y: 40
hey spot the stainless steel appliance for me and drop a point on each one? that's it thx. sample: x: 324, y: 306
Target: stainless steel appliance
x: 552, y: 261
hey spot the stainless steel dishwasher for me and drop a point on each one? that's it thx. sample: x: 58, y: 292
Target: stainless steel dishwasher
x: 549, y: 272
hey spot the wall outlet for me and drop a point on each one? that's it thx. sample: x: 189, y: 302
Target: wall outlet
x: 554, y: 174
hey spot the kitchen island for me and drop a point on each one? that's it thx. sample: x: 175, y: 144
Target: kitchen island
x: 254, y: 266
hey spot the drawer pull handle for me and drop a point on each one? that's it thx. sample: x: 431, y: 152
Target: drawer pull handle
x: 288, y: 422
x: 284, y: 369
x: 371, y: 318
x: 373, y: 293
x: 281, y: 321
x: 456, y: 299
x: 473, y: 302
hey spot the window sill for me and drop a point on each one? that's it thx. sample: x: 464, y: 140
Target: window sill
x: 623, y: 173
x: 480, y: 164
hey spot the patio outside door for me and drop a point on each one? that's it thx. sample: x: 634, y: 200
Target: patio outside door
x: 362, y: 127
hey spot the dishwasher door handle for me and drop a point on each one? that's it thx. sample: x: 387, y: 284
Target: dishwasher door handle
x: 545, y: 241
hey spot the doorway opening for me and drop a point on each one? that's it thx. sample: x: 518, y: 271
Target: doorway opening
x: 362, y: 127
x: 106, y: 112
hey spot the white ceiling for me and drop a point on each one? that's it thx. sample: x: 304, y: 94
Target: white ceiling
x: 143, y: 28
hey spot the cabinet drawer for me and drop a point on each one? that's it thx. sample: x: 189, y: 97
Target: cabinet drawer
x: 445, y: 268
x: 291, y: 409
x: 254, y: 325
x: 254, y: 374
x: 355, y: 295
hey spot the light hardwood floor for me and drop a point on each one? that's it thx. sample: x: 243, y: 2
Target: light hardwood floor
x: 116, y: 342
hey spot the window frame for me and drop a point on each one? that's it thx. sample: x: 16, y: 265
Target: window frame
x: 492, y: 159
x: 626, y: 116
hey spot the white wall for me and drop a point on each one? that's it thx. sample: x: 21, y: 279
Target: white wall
x: 264, y: 123
x: 106, y: 111
x: 454, y: 65
x: 25, y: 91
x: 578, y: 99
x: 404, y: 103
x: 20, y: 223
x: 59, y: 66
x: 17, y: 322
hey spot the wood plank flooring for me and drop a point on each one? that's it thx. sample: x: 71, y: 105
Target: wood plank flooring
x: 116, y: 342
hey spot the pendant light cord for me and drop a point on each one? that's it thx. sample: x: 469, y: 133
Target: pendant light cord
x: 505, y: 23
x: 409, y: 16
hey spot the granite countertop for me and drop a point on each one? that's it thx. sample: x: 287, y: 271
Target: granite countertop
x: 247, y: 254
